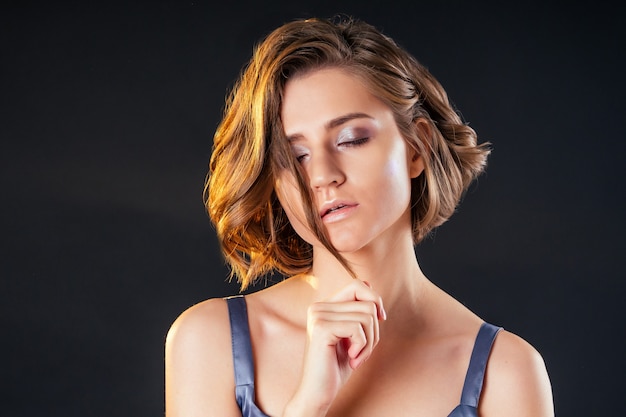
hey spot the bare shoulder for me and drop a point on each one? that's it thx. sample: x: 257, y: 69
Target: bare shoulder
x: 199, y: 377
x: 205, y: 322
x: 516, y: 380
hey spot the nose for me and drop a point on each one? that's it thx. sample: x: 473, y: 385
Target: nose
x: 324, y: 170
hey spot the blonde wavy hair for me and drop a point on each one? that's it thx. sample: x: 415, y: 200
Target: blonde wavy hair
x: 250, y: 149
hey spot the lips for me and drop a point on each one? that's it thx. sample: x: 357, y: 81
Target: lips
x: 335, y: 206
x: 330, y: 210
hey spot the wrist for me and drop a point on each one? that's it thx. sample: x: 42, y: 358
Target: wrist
x: 298, y: 407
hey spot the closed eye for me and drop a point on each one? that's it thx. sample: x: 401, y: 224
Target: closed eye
x: 355, y: 142
x: 300, y: 152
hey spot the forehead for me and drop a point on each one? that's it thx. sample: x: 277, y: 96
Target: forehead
x: 313, y: 99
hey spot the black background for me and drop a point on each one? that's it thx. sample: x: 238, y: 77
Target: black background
x: 107, y: 116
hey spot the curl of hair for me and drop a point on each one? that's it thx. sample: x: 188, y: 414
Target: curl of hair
x: 250, y: 149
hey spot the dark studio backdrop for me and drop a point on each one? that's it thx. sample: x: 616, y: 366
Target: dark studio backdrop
x: 107, y: 116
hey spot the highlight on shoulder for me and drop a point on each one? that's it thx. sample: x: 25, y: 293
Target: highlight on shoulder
x: 516, y: 381
x: 199, y: 377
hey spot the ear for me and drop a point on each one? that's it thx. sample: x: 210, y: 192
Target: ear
x: 416, y: 163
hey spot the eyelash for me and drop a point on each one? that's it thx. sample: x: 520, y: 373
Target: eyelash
x: 355, y: 142
x: 349, y: 144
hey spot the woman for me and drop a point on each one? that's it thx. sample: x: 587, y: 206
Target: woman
x: 337, y: 153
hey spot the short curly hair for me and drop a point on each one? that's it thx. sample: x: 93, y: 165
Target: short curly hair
x: 250, y: 148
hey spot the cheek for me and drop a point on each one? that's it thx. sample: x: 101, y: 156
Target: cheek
x: 289, y: 197
x: 396, y: 178
x: 286, y: 192
x: 396, y: 186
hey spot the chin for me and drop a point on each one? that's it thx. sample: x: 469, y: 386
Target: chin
x: 347, y: 245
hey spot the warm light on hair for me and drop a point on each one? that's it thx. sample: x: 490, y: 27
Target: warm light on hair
x: 249, y: 147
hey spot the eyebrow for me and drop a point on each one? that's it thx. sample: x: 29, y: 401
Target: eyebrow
x: 346, y: 118
x: 338, y: 121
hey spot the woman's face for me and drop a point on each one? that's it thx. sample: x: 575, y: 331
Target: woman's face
x: 355, y: 159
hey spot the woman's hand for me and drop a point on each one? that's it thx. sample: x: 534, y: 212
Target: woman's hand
x: 342, y: 332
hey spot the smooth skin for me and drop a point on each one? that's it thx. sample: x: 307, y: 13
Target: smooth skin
x: 324, y: 343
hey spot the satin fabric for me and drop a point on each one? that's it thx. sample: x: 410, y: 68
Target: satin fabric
x: 244, y: 364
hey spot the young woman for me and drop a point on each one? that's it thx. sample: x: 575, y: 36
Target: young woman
x: 337, y: 153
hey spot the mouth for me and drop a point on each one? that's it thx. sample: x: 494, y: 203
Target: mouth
x: 334, y: 207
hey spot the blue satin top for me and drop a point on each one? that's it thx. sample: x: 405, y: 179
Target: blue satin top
x: 244, y: 365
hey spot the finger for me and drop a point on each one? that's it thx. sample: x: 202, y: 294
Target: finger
x: 363, y: 311
x: 357, y: 290
x: 361, y: 306
x: 325, y: 332
x: 360, y: 329
x: 367, y: 321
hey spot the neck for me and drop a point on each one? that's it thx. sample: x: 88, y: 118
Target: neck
x: 391, y: 268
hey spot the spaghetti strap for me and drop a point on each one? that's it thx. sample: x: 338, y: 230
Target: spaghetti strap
x: 244, y: 365
x: 243, y: 362
x: 478, y: 362
x: 240, y: 336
